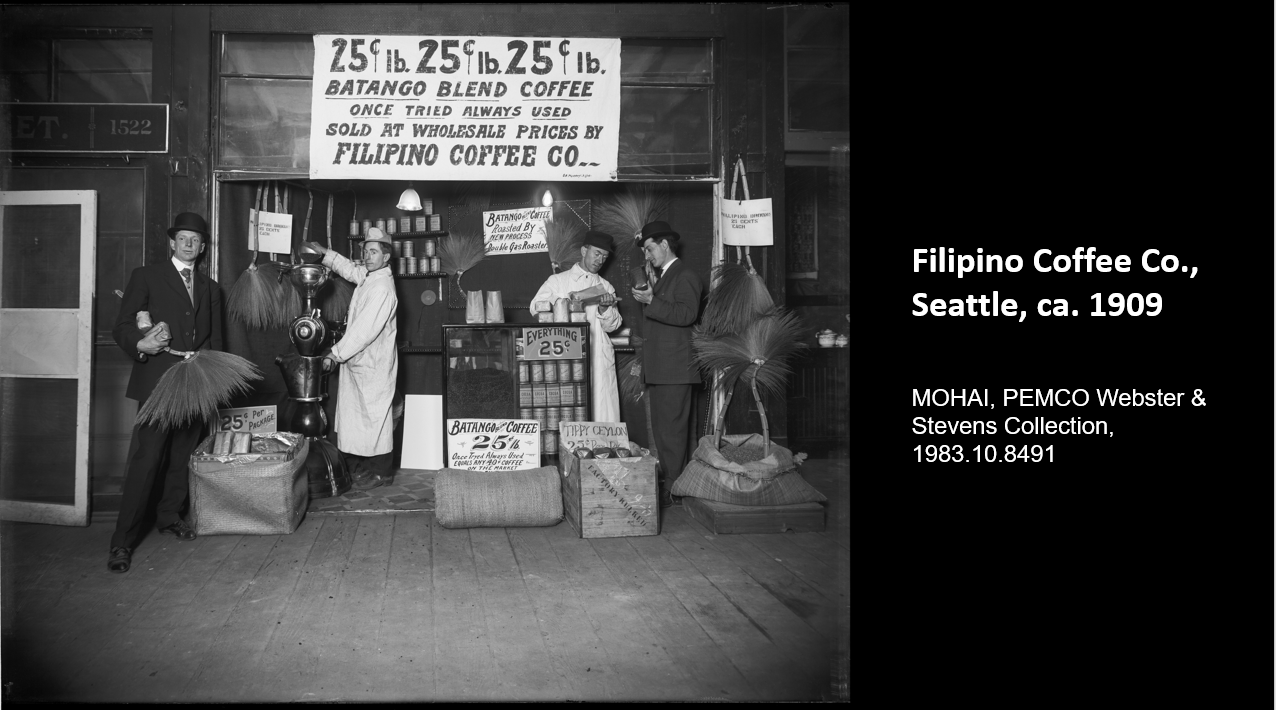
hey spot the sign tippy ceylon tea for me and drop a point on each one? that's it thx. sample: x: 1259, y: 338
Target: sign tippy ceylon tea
x: 465, y: 108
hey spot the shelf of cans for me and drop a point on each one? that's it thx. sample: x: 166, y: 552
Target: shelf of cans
x: 409, y: 263
x: 551, y: 391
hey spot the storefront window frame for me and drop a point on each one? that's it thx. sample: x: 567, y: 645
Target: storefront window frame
x: 55, y: 36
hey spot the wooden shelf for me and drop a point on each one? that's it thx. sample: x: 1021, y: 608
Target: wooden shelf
x: 427, y: 275
x: 404, y: 235
x: 419, y: 235
x: 421, y: 349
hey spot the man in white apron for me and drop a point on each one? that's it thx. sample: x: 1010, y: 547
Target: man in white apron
x: 365, y: 420
x: 603, y: 318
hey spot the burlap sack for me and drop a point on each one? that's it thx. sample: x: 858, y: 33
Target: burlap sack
x: 740, y: 475
x: 498, y: 499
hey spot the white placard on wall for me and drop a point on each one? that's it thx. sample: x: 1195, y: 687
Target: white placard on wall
x: 423, y: 431
x: 274, y: 232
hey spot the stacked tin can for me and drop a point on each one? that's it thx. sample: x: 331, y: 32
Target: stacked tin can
x: 525, y: 410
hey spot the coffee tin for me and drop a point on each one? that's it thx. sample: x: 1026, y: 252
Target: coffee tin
x: 538, y: 371
x: 578, y: 370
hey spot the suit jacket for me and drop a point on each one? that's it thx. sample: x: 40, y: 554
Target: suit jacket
x: 159, y: 289
x: 666, y: 330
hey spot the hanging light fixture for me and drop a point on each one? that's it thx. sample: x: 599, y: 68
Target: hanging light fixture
x: 409, y: 201
x: 547, y: 200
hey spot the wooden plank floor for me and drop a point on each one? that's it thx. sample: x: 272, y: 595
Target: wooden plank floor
x: 393, y: 607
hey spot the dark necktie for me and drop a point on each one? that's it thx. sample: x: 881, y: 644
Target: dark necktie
x: 190, y: 287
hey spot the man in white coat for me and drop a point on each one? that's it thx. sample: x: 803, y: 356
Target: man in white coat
x: 365, y: 421
x: 603, y: 318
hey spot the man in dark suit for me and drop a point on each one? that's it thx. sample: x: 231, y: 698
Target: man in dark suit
x: 671, y: 307
x: 185, y: 307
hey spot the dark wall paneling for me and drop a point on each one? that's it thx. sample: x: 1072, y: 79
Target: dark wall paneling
x: 191, y: 58
x: 563, y: 20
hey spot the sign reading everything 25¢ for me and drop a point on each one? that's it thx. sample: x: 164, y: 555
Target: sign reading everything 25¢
x: 553, y: 343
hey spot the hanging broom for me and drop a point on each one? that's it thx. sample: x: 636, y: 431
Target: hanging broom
x: 760, y: 355
x: 740, y: 295
x: 190, y: 391
x: 737, y: 300
x: 336, y: 298
x: 258, y: 299
x: 564, y: 238
x: 459, y: 252
x: 289, y: 299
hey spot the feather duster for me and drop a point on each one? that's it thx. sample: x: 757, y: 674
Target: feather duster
x: 460, y: 251
x: 564, y: 238
x: 760, y: 354
x: 623, y: 215
x: 190, y: 391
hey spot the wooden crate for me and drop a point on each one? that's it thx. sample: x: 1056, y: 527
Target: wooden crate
x: 725, y: 518
x: 610, y: 497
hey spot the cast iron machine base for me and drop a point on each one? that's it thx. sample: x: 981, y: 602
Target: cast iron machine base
x: 303, y: 411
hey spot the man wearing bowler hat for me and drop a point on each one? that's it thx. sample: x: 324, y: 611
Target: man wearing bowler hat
x: 601, y: 314
x: 181, y: 309
x: 670, y: 307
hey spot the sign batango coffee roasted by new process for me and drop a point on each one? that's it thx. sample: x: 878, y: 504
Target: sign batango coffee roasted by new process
x: 465, y: 108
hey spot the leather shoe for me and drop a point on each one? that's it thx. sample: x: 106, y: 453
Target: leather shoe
x: 369, y: 482
x: 121, y: 558
x: 179, y: 529
x: 669, y: 500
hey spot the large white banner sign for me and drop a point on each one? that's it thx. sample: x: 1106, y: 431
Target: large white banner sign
x: 465, y: 108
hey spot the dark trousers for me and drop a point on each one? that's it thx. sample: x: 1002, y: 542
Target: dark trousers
x: 155, y: 457
x: 381, y: 465
x: 670, y: 423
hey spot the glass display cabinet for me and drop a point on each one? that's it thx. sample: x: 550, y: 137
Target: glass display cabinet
x: 538, y: 372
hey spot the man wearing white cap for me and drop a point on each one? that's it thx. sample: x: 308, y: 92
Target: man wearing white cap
x: 603, y: 318
x: 364, y: 421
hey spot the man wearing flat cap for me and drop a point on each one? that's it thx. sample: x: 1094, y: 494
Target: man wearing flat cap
x: 601, y: 313
x: 180, y: 309
x: 365, y: 401
x: 670, y: 308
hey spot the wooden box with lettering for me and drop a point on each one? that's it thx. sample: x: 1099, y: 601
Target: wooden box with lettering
x: 610, y: 497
